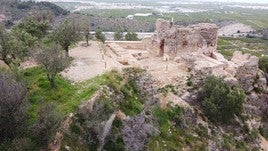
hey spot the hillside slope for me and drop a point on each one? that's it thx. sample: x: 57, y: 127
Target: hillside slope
x: 13, y: 11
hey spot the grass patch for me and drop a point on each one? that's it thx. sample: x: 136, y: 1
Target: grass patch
x: 67, y: 96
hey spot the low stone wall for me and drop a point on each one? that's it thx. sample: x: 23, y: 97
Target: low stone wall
x: 128, y: 44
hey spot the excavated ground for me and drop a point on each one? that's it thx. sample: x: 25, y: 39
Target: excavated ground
x: 88, y: 62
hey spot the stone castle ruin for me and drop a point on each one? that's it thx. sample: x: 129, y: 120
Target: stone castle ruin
x: 192, y: 48
x: 173, y: 40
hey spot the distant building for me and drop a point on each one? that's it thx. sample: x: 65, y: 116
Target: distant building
x: 130, y: 17
x: 143, y: 15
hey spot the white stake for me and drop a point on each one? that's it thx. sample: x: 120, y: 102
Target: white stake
x: 166, y: 69
x: 102, y: 57
x: 105, y: 65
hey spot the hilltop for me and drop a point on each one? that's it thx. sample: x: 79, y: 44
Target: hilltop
x: 12, y: 11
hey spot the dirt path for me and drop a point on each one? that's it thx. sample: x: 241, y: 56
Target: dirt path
x: 88, y: 62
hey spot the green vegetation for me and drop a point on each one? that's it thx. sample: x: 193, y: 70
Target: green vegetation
x: 172, y: 134
x: 219, y: 101
x: 230, y: 143
x: 67, y: 96
x: 99, y: 35
x: 264, y: 64
x: 119, y: 92
x: 18, y: 129
x: 131, y: 36
x: 31, y: 112
x: 67, y: 33
x: 34, y: 27
x: 256, y: 19
x: 254, y: 46
x: 114, y: 13
x: 84, y: 24
x: 168, y: 88
x: 53, y: 60
x: 118, y: 35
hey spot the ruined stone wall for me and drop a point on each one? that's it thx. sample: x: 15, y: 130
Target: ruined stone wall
x: 128, y: 44
x: 173, y: 40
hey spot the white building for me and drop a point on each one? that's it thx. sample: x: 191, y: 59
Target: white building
x: 130, y: 17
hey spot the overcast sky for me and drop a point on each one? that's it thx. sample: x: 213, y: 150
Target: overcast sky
x: 248, y: 1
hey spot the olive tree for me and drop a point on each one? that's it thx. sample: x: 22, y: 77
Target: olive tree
x: 37, y: 28
x: 99, y: 35
x: 4, y: 46
x: 15, y: 45
x: 85, y: 27
x: 66, y: 34
x: 53, y: 60
x: 118, y: 35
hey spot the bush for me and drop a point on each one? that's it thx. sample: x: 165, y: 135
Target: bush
x: 264, y: 64
x: 99, y: 35
x: 131, y: 36
x: 118, y: 35
x: 219, y: 101
x: 13, y: 108
x: 46, y: 125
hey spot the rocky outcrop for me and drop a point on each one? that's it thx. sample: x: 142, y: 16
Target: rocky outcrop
x: 137, y: 130
x: 246, y: 67
x: 242, y: 70
x: 87, y: 107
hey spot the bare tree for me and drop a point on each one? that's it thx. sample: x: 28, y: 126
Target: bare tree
x: 67, y: 33
x: 53, y: 60
x: 13, y: 108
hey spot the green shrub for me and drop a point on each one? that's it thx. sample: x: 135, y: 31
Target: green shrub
x: 168, y: 88
x: 263, y: 64
x: 131, y: 36
x: 219, y: 101
x: 99, y: 35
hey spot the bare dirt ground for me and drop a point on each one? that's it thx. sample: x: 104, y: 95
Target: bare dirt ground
x: 166, y: 72
x: 88, y: 62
